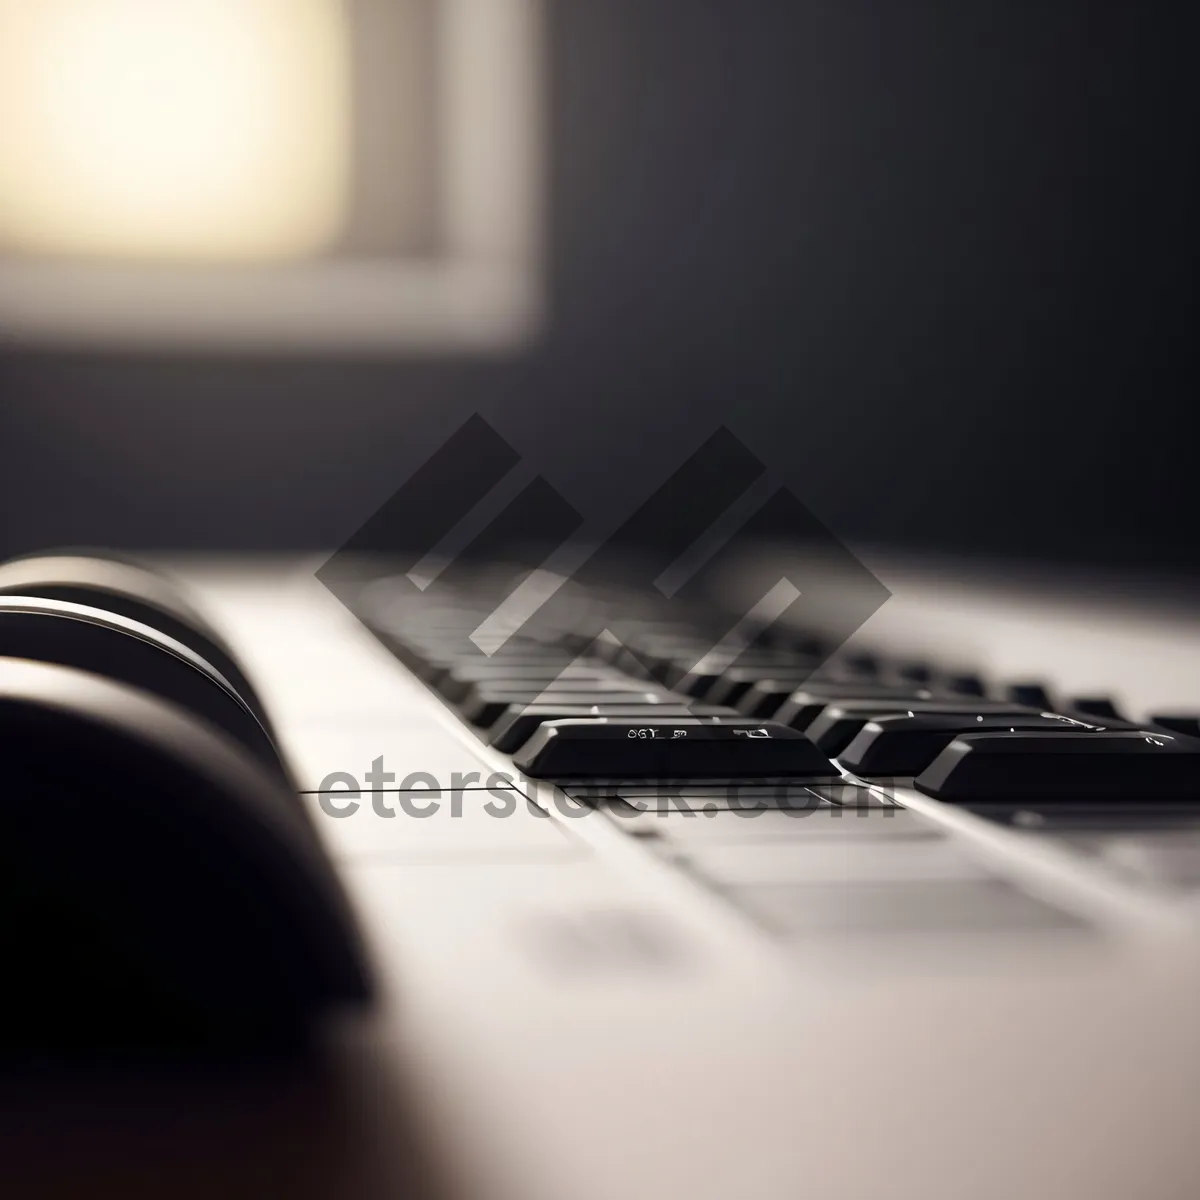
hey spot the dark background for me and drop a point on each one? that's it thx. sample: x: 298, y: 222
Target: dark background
x: 935, y: 263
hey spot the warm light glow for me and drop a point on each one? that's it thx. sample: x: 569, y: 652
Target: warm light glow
x: 208, y: 130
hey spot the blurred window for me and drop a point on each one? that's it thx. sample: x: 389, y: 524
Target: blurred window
x: 319, y: 174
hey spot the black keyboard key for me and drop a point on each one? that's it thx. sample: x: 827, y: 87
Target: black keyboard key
x: 966, y: 683
x: 1187, y: 724
x: 685, y: 749
x: 658, y: 655
x: 859, y: 662
x: 950, y: 682
x: 805, y: 704
x: 521, y: 721
x: 906, y: 745
x: 1030, y: 694
x: 1040, y: 769
x: 692, y: 678
x: 839, y: 723
x: 737, y: 681
x: 1096, y: 706
x: 765, y: 697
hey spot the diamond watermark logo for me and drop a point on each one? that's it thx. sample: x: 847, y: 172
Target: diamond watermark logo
x: 478, y: 556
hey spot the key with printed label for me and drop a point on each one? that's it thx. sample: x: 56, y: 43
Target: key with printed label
x: 718, y: 747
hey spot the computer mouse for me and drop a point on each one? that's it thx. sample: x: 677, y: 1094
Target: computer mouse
x: 161, y: 886
x: 125, y: 588
x: 128, y: 651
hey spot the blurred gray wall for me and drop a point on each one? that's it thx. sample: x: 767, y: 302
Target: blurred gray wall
x: 937, y: 263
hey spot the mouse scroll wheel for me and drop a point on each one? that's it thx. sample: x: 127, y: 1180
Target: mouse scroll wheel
x: 126, y: 651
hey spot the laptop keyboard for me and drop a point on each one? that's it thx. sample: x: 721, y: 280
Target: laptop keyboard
x: 778, y: 773
x: 664, y: 705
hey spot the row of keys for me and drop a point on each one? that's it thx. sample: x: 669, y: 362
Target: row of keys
x: 664, y: 707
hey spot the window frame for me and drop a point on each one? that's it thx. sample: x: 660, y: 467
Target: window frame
x: 480, y: 292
